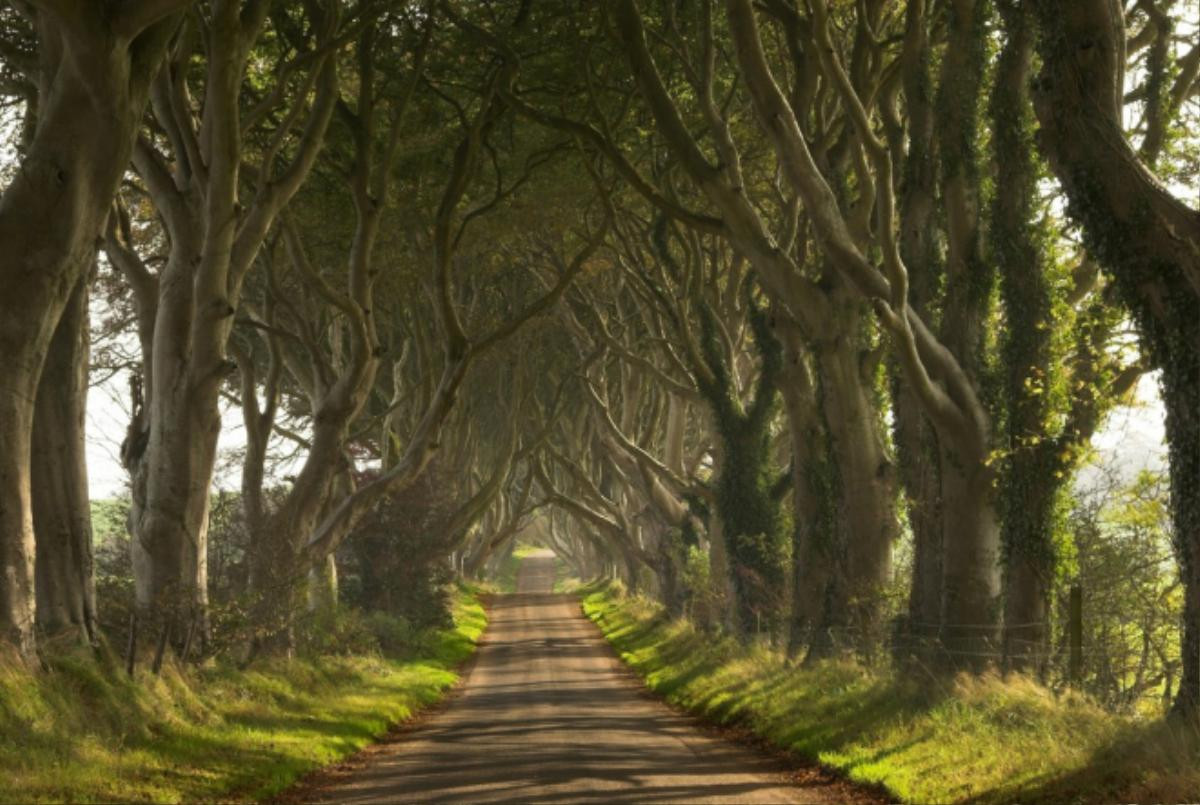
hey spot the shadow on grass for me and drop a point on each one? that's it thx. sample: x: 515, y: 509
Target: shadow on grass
x: 691, y: 669
x: 1158, y: 761
x: 81, y: 730
x: 970, y: 739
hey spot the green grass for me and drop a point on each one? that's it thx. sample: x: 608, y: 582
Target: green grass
x: 965, y: 740
x: 82, y: 731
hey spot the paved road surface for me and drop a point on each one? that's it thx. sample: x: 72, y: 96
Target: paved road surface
x: 548, y: 714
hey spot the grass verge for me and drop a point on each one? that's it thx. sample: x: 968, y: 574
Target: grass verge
x: 967, y: 740
x: 83, y: 732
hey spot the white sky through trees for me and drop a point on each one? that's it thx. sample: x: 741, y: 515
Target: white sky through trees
x: 1132, y: 439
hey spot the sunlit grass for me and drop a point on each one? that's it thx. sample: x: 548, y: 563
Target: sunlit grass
x: 967, y: 739
x: 83, y: 732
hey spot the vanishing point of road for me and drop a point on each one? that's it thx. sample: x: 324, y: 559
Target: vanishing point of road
x: 549, y: 714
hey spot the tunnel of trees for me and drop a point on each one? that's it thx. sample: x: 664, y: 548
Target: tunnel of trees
x: 799, y: 316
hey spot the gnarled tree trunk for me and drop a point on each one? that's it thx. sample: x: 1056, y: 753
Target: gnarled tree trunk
x: 862, y: 477
x: 95, y: 65
x: 1146, y: 237
x: 816, y: 574
x: 1034, y: 474
x: 914, y: 436
x: 66, y: 594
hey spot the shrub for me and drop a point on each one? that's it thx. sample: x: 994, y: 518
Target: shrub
x: 395, y: 634
x: 344, y: 631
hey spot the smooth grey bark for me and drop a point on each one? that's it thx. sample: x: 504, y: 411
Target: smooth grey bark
x: 844, y: 494
x: 214, y: 239
x: 171, y: 446
x: 816, y: 575
x: 95, y: 63
x: 861, y: 477
x: 914, y: 436
x: 66, y: 594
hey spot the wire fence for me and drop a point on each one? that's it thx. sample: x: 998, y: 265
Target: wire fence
x: 1124, y: 668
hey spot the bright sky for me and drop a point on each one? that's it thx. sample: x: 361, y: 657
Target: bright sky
x: 107, y: 419
x: 1133, y: 439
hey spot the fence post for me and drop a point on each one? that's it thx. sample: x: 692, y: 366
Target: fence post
x: 1075, y: 630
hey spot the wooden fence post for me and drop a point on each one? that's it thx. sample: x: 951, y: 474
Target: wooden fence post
x: 1075, y: 631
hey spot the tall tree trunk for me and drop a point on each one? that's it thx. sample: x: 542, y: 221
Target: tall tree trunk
x: 16, y: 517
x: 864, y: 483
x: 751, y: 516
x: 171, y: 450
x: 1033, y: 474
x: 914, y: 436
x: 91, y: 93
x: 170, y: 525
x: 1181, y: 396
x: 845, y: 497
x: 970, y: 562
x: 916, y: 452
x: 971, y: 611
x: 1146, y: 237
x: 66, y: 596
x: 279, y: 570
x: 815, y: 571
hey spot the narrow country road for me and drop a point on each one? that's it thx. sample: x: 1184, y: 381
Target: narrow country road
x: 548, y: 714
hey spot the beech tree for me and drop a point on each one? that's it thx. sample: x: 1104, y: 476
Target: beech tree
x: 213, y: 239
x: 716, y: 320
x: 336, y: 378
x: 1139, y: 231
x: 639, y: 425
x: 93, y: 67
x: 1062, y: 371
x: 971, y: 580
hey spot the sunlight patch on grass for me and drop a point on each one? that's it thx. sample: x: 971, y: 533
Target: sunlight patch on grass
x: 969, y: 739
x: 82, y: 731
